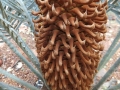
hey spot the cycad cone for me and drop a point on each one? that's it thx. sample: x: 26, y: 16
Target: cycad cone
x: 68, y: 35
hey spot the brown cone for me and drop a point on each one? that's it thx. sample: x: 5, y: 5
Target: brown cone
x: 68, y: 35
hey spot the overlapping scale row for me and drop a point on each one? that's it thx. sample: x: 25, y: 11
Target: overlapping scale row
x: 68, y: 35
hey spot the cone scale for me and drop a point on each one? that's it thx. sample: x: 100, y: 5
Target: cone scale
x: 68, y: 35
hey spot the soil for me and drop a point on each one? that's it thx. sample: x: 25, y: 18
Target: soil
x: 10, y: 59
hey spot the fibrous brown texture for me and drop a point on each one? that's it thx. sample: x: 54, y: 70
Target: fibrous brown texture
x: 1, y: 62
x: 68, y: 35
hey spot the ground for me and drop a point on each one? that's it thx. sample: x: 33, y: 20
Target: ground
x: 11, y: 60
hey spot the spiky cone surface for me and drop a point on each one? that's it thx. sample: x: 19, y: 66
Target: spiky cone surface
x: 68, y: 35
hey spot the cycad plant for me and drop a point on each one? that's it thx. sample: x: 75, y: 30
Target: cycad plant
x: 7, y: 20
x: 68, y: 35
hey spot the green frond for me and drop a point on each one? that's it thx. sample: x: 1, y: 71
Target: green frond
x: 15, y: 78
